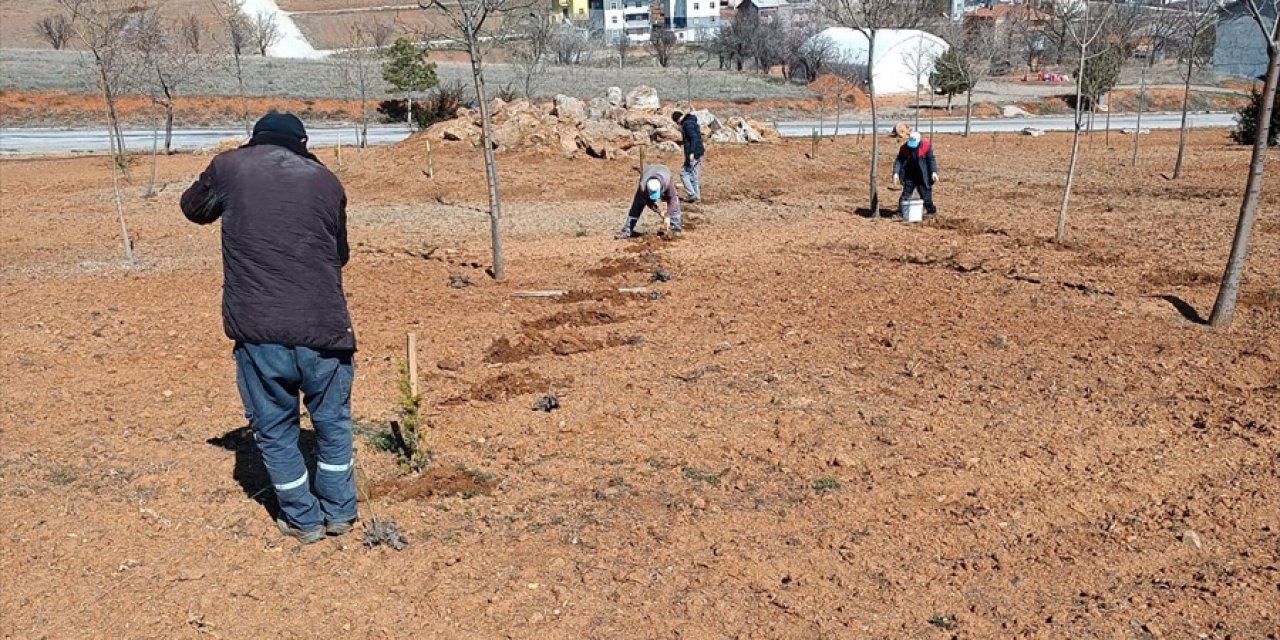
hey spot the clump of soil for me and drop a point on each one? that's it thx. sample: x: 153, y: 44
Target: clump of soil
x: 435, y: 482
x: 506, y: 385
x: 384, y: 532
x: 611, y: 267
x: 532, y: 344
x: 580, y: 318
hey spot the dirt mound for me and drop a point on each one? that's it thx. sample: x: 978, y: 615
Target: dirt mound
x: 508, y: 384
x: 579, y: 318
x: 532, y: 344
x: 435, y: 482
x: 834, y: 89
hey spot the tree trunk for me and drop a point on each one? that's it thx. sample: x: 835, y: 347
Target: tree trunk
x: 1107, y: 139
x: 1182, y: 130
x: 875, y: 123
x: 364, y: 120
x: 244, y: 100
x: 168, y: 127
x: 115, y: 184
x: 155, y: 152
x: 1061, y: 232
x: 408, y: 114
x: 839, y: 109
x: 968, y: 110
x: 1137, y: 129
x: 119, y: 155
x: 1224, y: 306
x: 490, y: 163
x: 915, y: 125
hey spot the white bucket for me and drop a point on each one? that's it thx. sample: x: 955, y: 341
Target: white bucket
x: 913, y: 210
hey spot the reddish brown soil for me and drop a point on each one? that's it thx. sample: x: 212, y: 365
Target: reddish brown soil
x: 828, y: 426
x: 48, y: 107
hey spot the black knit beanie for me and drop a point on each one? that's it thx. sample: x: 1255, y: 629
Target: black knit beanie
x: 281, y: 123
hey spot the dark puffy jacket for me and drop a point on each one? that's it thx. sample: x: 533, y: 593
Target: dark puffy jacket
x: 923, y: 159
x: 284, y: 243
x: 692, y: 132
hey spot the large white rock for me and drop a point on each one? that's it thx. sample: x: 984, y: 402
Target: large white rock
x: 613, y: 95
x: 643, y: 98
x: 1014, y: 111
x: 707, y: 119
x: 569, y: 108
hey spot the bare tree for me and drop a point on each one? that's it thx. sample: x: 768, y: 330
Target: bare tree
x: 238, y: 33
x: 869, y: 17
x: 265, y: 31
x: 917, y: 61
x: 1224, y: 306
x: 813, y: 56
x: 530, y: 45
x: 1082, y: 35
x: 568, y: 43
x: 689, y: 65
x: 361, y: 65
x: 966, y: 64
x: 795, y: 48
x: 1194, y: 34
x: 106, y: 29
x: 664, y: 43
x: 191, y: 28
x: 163, y: 65
x: 622, y: 46
x: 473, y: 23
x: 56, y: 30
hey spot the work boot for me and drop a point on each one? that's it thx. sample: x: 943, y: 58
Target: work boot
x: 303, y: 537
x: 625, y: 234
x: 339, y: 528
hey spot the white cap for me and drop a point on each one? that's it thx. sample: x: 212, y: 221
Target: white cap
x: 914, y: 136
x: 653, y: 185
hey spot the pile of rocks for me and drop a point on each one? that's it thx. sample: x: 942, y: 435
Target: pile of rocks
x: 609, y: 126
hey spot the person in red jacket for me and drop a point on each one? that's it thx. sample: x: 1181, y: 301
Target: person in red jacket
x: 917, y: 170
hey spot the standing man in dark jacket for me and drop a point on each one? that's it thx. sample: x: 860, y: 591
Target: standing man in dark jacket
x: 916, y: 167
x: 691, y: 173
x: 284, y: 243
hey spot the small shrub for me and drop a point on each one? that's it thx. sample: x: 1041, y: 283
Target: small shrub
x: 409, y: 440
x: 946, y: 623
x: 691, y: 473
x: 825, y: 483
x: 1247, y: 122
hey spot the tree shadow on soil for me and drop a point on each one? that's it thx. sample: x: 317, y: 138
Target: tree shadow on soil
x: 250, y: 473
x: 1187, y: 311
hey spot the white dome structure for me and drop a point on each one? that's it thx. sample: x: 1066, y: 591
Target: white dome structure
x: 903, y: 57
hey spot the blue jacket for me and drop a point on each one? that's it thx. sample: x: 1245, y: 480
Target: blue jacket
x: 692, y: 136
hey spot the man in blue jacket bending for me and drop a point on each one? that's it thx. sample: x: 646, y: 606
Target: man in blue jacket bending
x: 916, y: 168
x: 691, y: 172
x: 284, y: 243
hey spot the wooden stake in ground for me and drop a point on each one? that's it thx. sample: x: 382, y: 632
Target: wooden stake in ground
x: 431, y: 161
x: 411, y: 359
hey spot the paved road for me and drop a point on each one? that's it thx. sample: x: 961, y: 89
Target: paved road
x: 42, y: 141
x: 989, y: 125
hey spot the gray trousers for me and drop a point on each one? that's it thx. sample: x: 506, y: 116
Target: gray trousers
x: 691, y: 176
